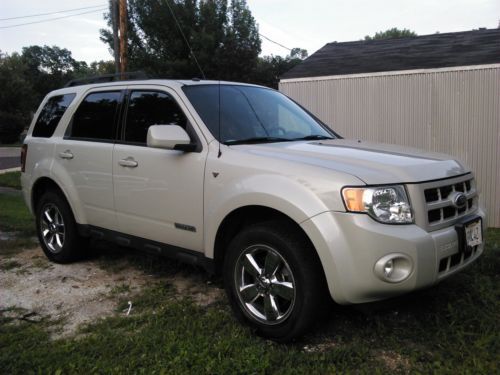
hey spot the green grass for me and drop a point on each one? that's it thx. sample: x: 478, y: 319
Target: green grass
x: 451, y: 328
x: 16, y: 222
x: 11, y: 145
x: 9, y: 265
x: 11, y: 179
x: 120, y: 289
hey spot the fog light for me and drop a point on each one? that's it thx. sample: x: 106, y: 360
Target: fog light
x: 394, y: 268
x: 388, y: 268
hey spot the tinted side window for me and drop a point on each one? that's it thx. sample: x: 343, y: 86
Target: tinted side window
x: 50, y: 115
x: 148, y: 108
x: 95, y: 117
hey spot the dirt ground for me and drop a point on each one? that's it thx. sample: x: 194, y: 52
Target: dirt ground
x: 33, y: 288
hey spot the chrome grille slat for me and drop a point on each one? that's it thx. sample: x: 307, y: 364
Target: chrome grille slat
x: 448, y: 211
x: 433, y: 205
x: 446, y: 202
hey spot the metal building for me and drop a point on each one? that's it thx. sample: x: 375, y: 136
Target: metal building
x: 439, y: 92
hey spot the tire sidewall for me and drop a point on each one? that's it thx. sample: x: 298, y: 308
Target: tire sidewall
x: 290, y: 248
x: 71, y: 247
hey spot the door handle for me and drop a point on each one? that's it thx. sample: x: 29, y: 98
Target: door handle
x: 66, y: 155
x: 128, y: 162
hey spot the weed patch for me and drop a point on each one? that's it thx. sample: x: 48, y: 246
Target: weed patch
x: 17, y: 226
x: 9, y: 265
x: 11, y: 179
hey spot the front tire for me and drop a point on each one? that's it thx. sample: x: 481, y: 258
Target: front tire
x: 57, y: 230
x: 274, y: 280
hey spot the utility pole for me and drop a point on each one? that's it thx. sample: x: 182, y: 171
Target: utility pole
x: 116, y: 43
x: 123, y: 37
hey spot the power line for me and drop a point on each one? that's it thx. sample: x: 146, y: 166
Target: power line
x: 53, y: 19
x: 101, y: 9
x: 46, y: 14
x: 185, y: 39
x: 272, y: 41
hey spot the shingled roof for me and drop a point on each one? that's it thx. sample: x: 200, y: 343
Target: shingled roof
x: 421, y: 52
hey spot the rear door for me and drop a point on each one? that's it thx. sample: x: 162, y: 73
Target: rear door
x: 86, y: 154
x: 158, y: 192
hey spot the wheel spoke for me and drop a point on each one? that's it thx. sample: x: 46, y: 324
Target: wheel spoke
x: 283, y: 289
x: 270, y: 307
x: 251, y: 266
x: 249, y: 293
x: 59, y: 240
x: 265, y: 284
x: 47, y: 216
x: 272, y: 263
x: 51, y: 227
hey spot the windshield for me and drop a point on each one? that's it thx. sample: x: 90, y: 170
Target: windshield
x: 253, y: 115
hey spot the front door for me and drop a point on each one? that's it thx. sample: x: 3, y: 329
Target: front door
x: 158, y: 193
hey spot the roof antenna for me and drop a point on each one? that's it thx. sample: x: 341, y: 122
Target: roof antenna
x: 220, y: 137
x: 185, y: 39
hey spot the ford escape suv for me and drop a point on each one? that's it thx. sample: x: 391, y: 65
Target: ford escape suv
x: 243, y: 181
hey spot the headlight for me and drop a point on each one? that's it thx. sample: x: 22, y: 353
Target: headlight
x: 387, y: 204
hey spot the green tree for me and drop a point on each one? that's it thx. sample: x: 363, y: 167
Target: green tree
x: 16, y: 97
x: 26, y: 78
x: 50, y: 68
x: 223, y: 36
x: 53, y: 60
x: 16, y: 94
x: 392, y: 33
x: 97, y: 68
x: 270, y: 68
x: 298, y: 53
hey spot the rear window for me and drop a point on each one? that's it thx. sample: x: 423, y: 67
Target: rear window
x: 95, y: 117
x: 51, y: 114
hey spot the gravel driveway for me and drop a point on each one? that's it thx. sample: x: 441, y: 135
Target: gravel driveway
x: 32, y: 288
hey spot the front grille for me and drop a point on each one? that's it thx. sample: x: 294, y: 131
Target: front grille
x: 439, y: 198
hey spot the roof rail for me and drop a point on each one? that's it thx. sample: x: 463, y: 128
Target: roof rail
x: 125, y: 76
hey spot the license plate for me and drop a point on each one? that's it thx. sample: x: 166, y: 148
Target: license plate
x: 473, y: 234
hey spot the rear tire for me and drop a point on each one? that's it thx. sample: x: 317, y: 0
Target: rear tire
x: 57, y: 230
x: 274, y: 280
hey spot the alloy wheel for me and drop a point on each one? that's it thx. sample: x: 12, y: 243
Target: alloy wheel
x: 52, y: 228
x: 265, y: 284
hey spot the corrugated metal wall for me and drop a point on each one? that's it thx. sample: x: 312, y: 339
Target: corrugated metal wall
x: 454, y: 111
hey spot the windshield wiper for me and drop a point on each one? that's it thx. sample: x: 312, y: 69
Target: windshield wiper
x: 256, y: 140
x: 312, y: 137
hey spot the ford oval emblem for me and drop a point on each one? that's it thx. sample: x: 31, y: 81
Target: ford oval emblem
x: 460, y: 200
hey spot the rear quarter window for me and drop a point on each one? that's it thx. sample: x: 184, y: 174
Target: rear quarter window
x: 51, y: 114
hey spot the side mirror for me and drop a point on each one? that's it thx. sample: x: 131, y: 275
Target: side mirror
x: 170, y: 137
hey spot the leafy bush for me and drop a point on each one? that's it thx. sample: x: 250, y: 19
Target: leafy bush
x: 11, y: 126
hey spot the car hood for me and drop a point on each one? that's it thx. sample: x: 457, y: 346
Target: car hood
x: 373, y: 163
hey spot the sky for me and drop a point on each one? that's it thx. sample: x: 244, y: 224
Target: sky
x: 292, y: 23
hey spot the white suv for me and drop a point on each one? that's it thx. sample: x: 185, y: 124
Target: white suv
x: 243, y: 181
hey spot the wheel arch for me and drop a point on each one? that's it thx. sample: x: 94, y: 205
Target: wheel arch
x: 243, y: 216
x: 44, y: 184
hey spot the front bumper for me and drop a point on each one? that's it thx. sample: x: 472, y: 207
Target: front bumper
x: 349, y: 246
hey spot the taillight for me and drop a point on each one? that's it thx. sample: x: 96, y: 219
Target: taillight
x: 24, y: 153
